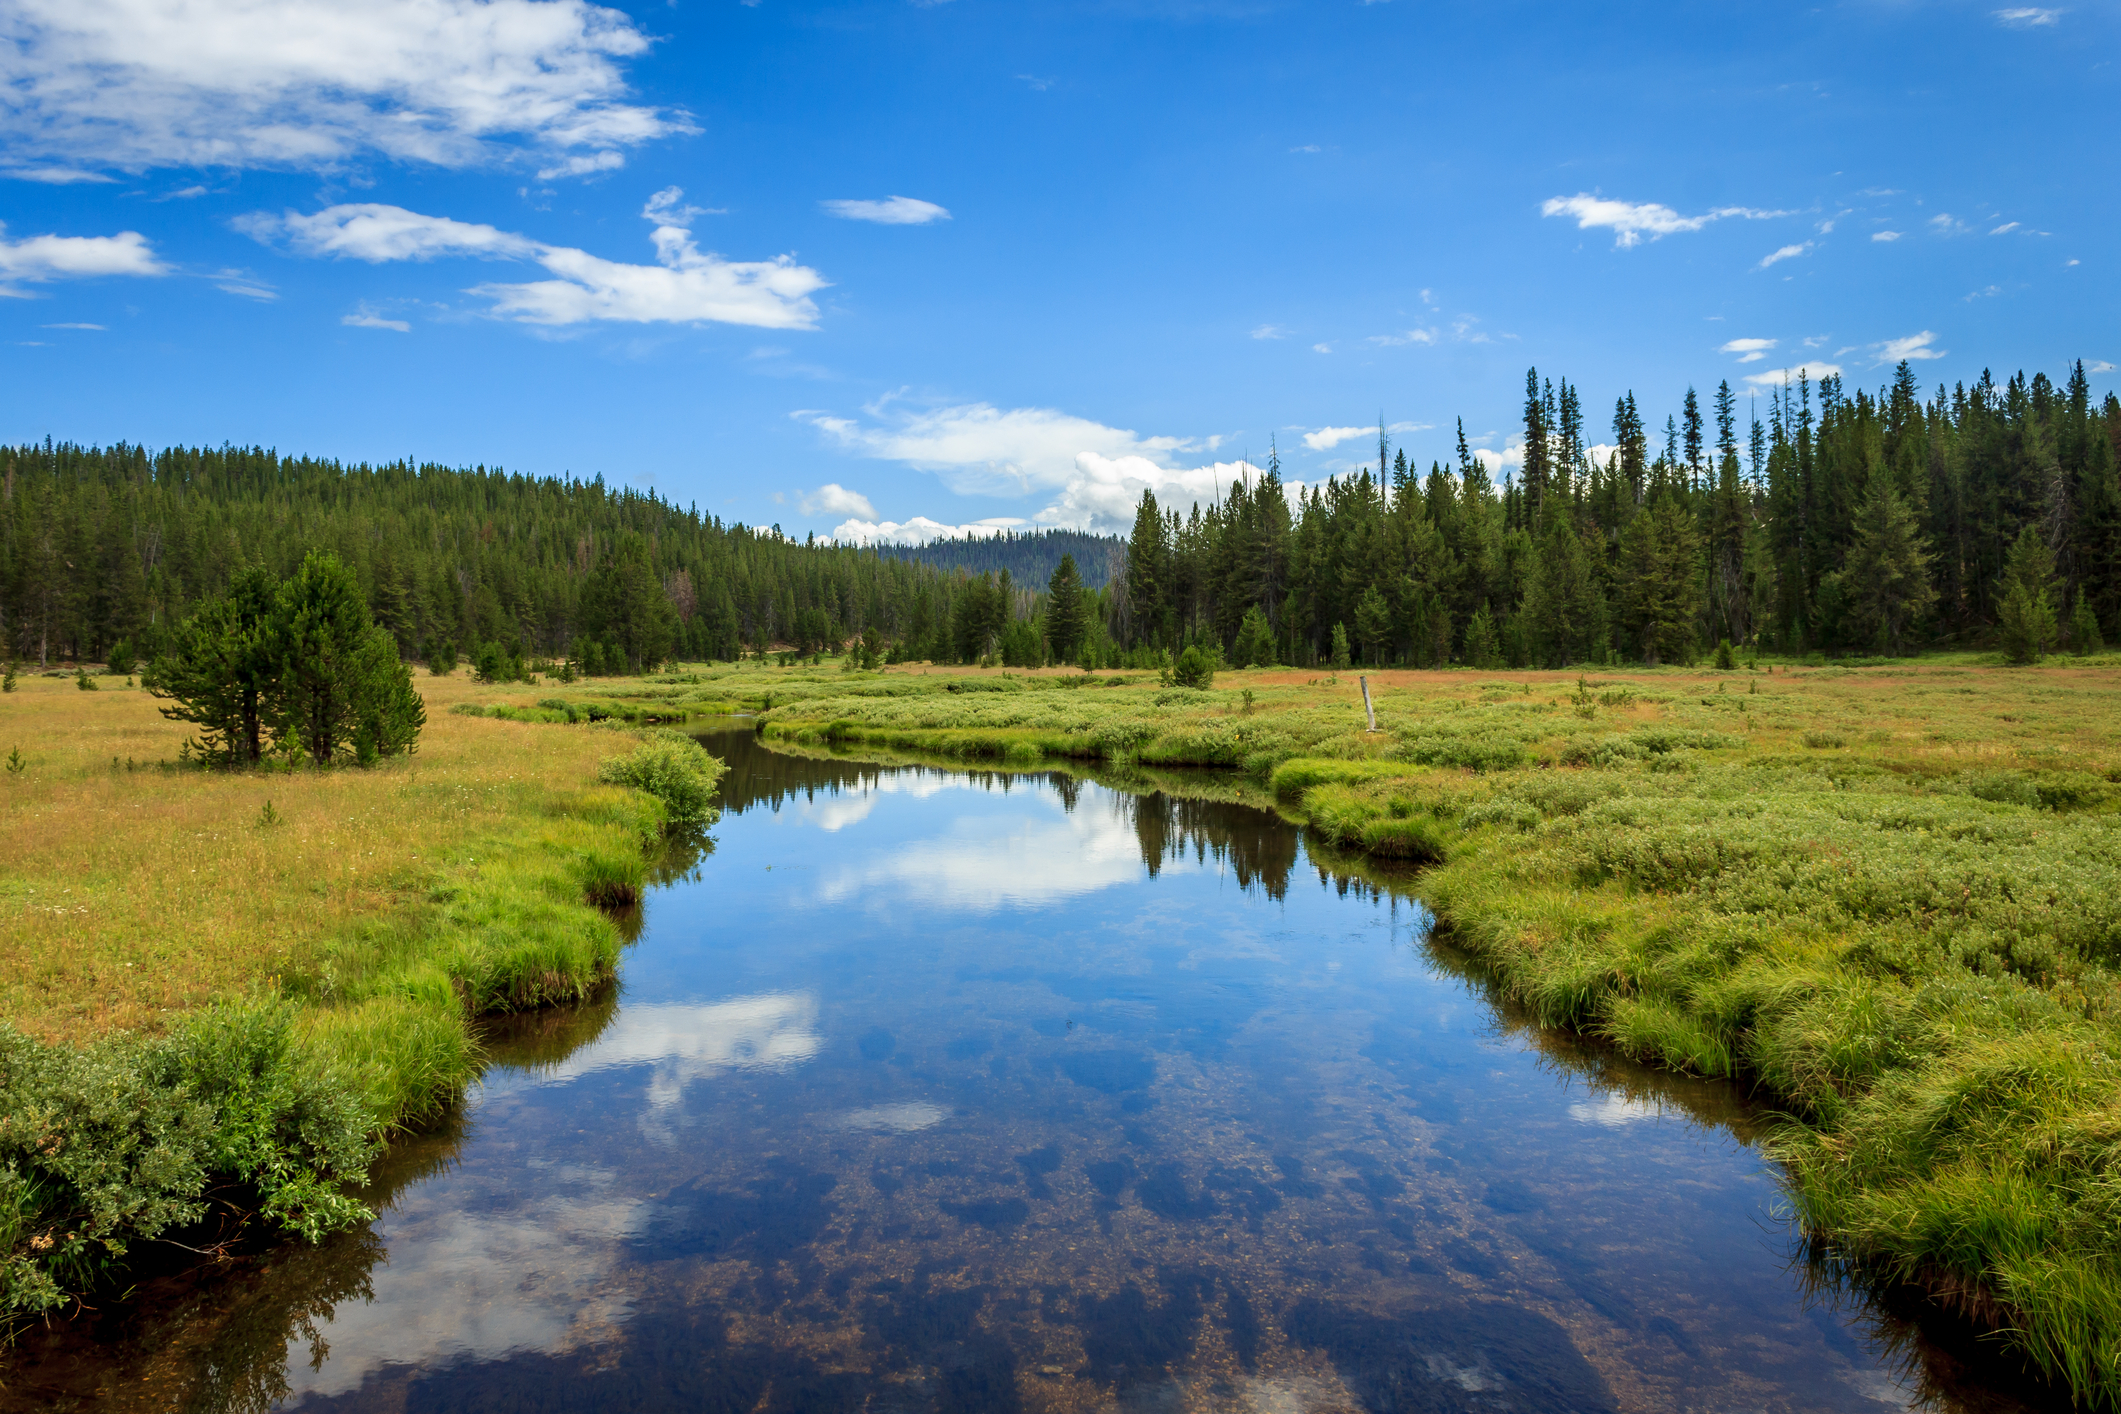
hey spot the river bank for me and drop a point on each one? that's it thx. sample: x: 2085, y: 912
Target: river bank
x: 1883, y: 897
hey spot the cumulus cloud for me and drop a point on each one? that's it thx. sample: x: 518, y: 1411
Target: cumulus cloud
x: 1788, y: 252
x: 1749, y: 350
x: 835, y: 499
x: 1783, y: 377
x: 37, y: 259
x: 891, y: 211
x: 920, y: 530
x: 688, y: 286
x: 1631, y: 221
x: 2026, y: 17
x: 1912, y: 347
x: 1885, y: 235
x: 1327, y: 438
x: 312, y: 84
x: 1093, y: 475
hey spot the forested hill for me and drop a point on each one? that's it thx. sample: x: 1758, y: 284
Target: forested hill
x: 1029, y: 556
x: 1848, y: 521
x: 103, y: 546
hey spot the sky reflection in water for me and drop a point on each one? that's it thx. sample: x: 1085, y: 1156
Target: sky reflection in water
x: 928, y: 1094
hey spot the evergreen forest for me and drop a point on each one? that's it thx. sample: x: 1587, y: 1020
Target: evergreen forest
x: 1842, y: 522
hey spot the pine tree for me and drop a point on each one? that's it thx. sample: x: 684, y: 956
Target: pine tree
x: 221, y: 671
x: 1373, y: 626
x: 1066, y: 622
x: 1482, y: 649
x: 1255, y: 641
x: 1887, y: 576
x: 2026, y: 617
x: 1341, y: 658
x: 2084, y: 638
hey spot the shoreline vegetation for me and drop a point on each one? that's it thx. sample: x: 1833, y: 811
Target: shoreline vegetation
x: 223, y: 991
x: 1884, y: 898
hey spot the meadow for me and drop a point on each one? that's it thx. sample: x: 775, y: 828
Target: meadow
x: 1884, y: 897
x: 251, y: 978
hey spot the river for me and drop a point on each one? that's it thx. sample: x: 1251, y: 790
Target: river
x: 943, y: 1090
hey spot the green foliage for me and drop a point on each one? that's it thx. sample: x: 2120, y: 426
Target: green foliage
x: 294, y: 666
x: 1067, y: 622
x: 7, y: 679
x: 122, y: 659
x: 83, y: 681
x: 119, y: 1142
x: 674, y: 769
x: 1726, y: 656
x: 1340, y: 659
x: 2084, y: 639
x: 1482, y: 648
x: 1195, y: 668
x: 1255, y: 641
x: 17, y: 763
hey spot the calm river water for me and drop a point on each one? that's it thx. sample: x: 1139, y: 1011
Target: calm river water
x: 949, y: 1091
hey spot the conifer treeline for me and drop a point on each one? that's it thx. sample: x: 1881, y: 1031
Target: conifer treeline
x: 1842, y: 522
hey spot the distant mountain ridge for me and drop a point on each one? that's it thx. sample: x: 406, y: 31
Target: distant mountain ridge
x: 1029, y: 556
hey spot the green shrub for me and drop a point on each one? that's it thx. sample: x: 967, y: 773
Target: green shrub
x: 1195, y: 668
x: 674, y: 769
x: 119, y: 1142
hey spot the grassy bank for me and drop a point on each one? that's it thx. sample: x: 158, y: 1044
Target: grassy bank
x: 1888, y: 897
x: 221, y: 989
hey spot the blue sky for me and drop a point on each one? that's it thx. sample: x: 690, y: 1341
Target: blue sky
x: 886, y: 264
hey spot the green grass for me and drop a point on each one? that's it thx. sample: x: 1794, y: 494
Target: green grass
x: 251, y: 979
x: 1888, y: 898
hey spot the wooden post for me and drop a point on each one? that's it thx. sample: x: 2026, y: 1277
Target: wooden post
x: 1368, y: 710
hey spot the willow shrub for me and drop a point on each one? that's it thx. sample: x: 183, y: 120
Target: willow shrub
x: 674, y: 769
x: 121, y: 1143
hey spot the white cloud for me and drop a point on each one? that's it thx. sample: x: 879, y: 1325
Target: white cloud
x: 1307, y: 147
x: 1788, y: 252
x: 77, y: 326
x: 1037, y: 84
x: 1946, y: 224
x: 313, y: 84
x: 1326, y: 439
x: 1914, y: 347
x: 1321, y: 348
x: 366, y: 318
x: 688, y: 286
x: 920, y: 530
x: 1885, y: 235
x: 2027, y: 17
x: 1631, y: 221
x: 1412, y: 336
x: 892, y: 211
x: 55, y: 176
x: 2005, y: 229
x: 835, y: 499
x: 1783, y: 377
x: 1270, y: 331
x: 2102, y: 366
x: 1753, y: 350
x: 242, y: 282
x: 36, y: 259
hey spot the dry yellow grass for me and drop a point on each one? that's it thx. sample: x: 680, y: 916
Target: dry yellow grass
x: 132, y: 891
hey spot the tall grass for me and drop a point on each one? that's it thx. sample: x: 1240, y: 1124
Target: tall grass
x: 1888, y: 898
x: 157, y: 912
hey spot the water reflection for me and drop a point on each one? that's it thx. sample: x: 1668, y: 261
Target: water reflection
x: 1126, y: 1115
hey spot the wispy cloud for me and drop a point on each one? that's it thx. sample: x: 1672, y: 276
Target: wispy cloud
x: 1885, y: 235
x: 1788, y: 252
x: 1270, y: 331
x: 688, y: 286
x: 2027, y: 17
x: 365, y: 317
x: 2101, y: 366
x: 1946, y: 224
x: 1411, y: 336
x: 54, y: 176
x: 891, y: 211
x: 1306, y: 147
x: 1321, y: 348
x: 1913, y: 347
x: 242, y: 282
x: 312, y: 84
x: 1750, y: 350
x: 77, y: 326
x: 2005, y: 229
x: 1783, y: 377
x: 1631, y: 221
x: 835, y: 499
x: 38, y: 259
x: 1037, y: 84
